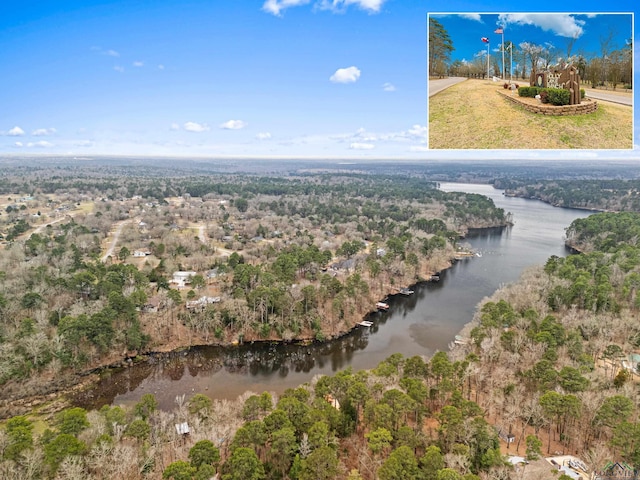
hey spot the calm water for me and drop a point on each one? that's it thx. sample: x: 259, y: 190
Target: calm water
x: 419, y: 324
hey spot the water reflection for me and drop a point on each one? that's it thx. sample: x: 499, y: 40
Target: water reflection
x: 419, y: 324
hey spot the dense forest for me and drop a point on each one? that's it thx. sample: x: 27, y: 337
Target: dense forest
x: 547, y: 362
x: 88, y: 261
x: 618, y: 195
x: 542, y: 363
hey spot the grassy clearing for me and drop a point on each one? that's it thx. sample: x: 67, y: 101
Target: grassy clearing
x: 473, y: 114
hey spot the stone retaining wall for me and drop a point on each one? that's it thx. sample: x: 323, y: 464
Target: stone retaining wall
x: 587, y: 106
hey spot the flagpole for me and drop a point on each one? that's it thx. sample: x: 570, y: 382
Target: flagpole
x: 503, y: 69
x: 510, y: 62
x: 488, y: 44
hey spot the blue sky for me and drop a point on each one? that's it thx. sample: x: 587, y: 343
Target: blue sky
x: 553, y: 31
x: 218, y: 78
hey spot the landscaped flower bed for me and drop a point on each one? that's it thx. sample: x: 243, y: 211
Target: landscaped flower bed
x: 534, y: 105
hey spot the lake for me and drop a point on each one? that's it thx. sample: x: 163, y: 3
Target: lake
x: 419, y: 324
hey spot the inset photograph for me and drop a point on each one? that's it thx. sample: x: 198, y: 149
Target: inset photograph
x: 530, y: 80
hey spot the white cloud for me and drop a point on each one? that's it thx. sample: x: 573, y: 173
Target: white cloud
x: 472, y: 16
x: 233, y: 125
x: 83, y: 143
x: 388, y: 87
x: 19, y: 144
x: 418, y: 131
x: 41, y: 132
x: 160, y: 67
x: 138, y: 64
x: 275, y: 7
x: 562, y: 24
x: 119, y: 68
x: 196, y: 127
x: 419, y: 148
x: 363, y: 136
x: 41, y: 144
x: 111, y: 53
x: 371, y: 6
x: 174, y: 127
x: 345, y: 75
x: 15, y: 132
x: 263, y: 136
x: 361, y: 146
x: 417, y: 134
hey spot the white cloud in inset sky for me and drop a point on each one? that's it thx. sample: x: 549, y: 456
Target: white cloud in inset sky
x: 233, y: 125
x: 562, y: 24
x: 174, y: 127
x: 19, y: 144
x: 112, y: 53
x: 41, y: 132
x: 119, y: 68
x: 263, y: 136
x: 345, y: 75
x: 472, y: 16
x: 196, y: 127
x: 15, y: 132
x: 388, y: 87
x: 138, y: 64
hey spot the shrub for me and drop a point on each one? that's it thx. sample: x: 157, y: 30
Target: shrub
x: 582, y: 93
x: 544, y: 95
x: 559, y: 96
x: 527, y: 91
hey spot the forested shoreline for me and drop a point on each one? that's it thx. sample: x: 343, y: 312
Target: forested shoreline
x: 89, y: 280
x: 542, y: 361
x: 605, y: 195
x: 546, y: 360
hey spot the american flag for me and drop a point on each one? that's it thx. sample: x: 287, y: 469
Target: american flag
x: 485, y: 39
x: 499, y: 30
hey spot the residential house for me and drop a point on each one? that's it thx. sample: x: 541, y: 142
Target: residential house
x: 182, y: 279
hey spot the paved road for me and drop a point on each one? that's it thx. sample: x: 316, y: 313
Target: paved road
x: 609, y: 97
x: 436, y: 86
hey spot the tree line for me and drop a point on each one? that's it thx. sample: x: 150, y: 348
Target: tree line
x: 611, y: 67
x: 621, y: 195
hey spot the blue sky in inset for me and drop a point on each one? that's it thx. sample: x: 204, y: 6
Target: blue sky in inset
x: 259, y: 78
x: 583, y: 34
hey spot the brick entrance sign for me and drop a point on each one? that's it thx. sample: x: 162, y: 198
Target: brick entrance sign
x: 569, y: 79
